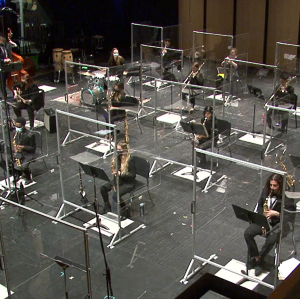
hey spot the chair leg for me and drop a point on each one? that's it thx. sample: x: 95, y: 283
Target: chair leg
x: 150, y: 196
x: 137, y: 120
x: 294, y: 242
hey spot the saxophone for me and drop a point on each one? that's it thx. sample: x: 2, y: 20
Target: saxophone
x: 266, y: 208
x: 126, y: 129
x: 289, y: 178
x: 18, y: 161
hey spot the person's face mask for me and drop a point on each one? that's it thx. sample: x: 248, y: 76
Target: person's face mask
x: 19, y: 129
x: 119, y: 152
x: 116, y: 54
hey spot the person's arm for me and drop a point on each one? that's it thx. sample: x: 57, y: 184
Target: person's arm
x: 29, y: 144
x: 131, y: 170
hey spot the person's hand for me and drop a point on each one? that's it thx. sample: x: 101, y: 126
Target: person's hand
x: 200, y: 136
x: 19, y: 147
x: 271, y: 213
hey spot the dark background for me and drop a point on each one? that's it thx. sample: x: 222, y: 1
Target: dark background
x: 110, y: 18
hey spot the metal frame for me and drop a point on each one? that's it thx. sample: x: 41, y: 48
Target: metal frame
x: 143, y: 25
x: 191, y: 270
x: 120, y: 234
x: 54, y: 220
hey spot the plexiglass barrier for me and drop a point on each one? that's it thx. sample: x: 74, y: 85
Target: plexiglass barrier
x: 213, y: 48
x: 40, y: 252
x: 223, y: 204
x: 144, y: 34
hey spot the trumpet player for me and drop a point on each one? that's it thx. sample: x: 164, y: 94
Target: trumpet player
x: 126, y: 172
x: 23, y: 150
x: 194, y: 78
x: 269, y: 204
x: 205, y: 142
x: 285, y: 97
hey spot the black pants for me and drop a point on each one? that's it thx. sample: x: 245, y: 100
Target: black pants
x: 123, y: 190
x: 19, y: 106
x: 201, y: 156
x: 284, y: 118
x: 250, y: 233
x: 24, y: 168
x: 3, y: 78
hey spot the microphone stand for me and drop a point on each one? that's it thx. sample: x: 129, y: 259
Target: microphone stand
x: 107, y: 270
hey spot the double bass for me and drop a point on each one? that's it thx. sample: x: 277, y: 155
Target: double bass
x: 16, y: 76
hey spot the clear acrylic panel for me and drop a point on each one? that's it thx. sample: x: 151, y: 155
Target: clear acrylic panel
x: 222, y: 203
x: 144, y: 34
x: 34, y: 252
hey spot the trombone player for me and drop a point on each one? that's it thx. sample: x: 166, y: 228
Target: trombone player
x: 284, y: 97
x: 194, y: 78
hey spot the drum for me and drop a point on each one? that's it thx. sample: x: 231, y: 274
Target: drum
x: 67, y: 56
x: 91, y: 95
x: 98, y: 78
x: 112, y: 80
x: 56, y: 55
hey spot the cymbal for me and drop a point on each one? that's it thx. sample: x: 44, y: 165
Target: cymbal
x: 86, y: 73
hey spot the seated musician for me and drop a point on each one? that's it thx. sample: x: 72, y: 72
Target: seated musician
x: 28, y: 97
x: 169, y: 57
x: 269, y: 204
x: 126, y: 172
x: 23, y: 149
x: 285, y: 97
x: 115, y: 59
x: 117, y: 99
x: 195, y: 78
x: 205, y: 142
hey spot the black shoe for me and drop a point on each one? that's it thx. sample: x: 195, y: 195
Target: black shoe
x: 124, y: 213
x: 105, y: 209
x: 251, y: 263
x: 28, y: 181
x: 258, y: 270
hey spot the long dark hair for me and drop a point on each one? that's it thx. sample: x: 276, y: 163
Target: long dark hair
x: 275, y: 177
x: 208, y: 109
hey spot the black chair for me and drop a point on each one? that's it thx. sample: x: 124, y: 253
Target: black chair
x: 142, y: 166
x: 224, y: 128
x: 39, y: 148
x: 132, y: 106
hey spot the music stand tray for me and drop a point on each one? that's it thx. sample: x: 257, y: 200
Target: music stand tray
x: 94, y: 171
x: 251, y: 217
x: 195, y: 128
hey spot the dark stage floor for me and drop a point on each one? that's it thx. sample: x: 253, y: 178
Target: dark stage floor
x: 151, y: 262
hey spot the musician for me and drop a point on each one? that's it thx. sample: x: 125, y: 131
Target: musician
x: 272, y: 195
x: 115, y: 59
x: 126, y: 172
x: 232, y: 55
x: 5, y: 57
x: 169, y: 56
x: 23, y: 149
x: 205, y: 142
x: 195, y: 78
x: 234, y: 74
x: 28, y: 97
x: 284, y: 96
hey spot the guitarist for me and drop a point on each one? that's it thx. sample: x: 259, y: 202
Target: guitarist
x: 28, y: 97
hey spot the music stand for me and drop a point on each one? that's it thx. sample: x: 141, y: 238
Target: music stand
x: 193, y: 128
x: 252, y: 218
x: 99, y: 173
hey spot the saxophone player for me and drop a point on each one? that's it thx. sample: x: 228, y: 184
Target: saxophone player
x: 205, y: 142
x: 268, y: 204
x: 126, y: 172
x: 285, y: 97
x: 23, y: 149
